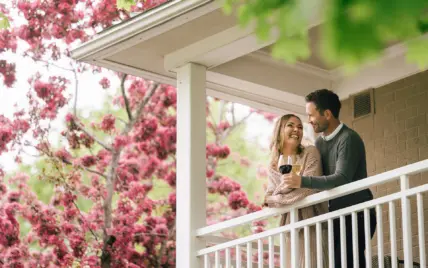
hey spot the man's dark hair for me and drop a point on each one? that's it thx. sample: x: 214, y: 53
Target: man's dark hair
x: 325, y: 99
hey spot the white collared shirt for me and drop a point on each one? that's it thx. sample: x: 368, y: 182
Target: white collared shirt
x: 334, y: 133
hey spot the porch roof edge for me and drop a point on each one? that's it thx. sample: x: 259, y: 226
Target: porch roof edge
x: 140, y: 23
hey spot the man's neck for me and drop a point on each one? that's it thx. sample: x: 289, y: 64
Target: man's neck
x: 333, y: 125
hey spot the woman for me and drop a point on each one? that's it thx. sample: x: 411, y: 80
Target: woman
x: 286, y: 141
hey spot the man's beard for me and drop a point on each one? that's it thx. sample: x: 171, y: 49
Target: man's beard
x: 319, y: 128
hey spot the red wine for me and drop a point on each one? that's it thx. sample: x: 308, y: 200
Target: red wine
x: 285, y: 169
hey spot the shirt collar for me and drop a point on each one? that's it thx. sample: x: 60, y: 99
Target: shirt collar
x: 334, y: 133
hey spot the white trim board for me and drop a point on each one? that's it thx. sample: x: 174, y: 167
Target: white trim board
x: 244, y: 94
x: 143, y: 27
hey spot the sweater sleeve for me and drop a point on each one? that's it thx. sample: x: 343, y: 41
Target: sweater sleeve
x: 349, y: 153
x: 311, y: 166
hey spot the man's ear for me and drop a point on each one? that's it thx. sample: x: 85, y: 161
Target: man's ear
x: 328, y: 115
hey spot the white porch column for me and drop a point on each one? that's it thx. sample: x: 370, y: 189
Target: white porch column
x: 191, y: 142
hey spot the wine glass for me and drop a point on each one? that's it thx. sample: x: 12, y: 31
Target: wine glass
x: 284, y: 165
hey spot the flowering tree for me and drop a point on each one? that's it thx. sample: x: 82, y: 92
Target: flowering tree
x: 114, y: 161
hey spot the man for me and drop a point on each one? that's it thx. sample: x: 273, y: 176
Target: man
x: 344, y: 161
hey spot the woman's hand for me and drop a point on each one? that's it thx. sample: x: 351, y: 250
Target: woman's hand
x: 282, y: 187
x: 292, y: 180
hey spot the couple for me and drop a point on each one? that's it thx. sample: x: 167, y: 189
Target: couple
x: 337, y: 159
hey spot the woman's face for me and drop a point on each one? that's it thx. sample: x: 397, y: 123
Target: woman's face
x: 293, y: 131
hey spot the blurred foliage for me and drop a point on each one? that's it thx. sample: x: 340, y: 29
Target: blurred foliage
x: 353, y: 31
x: 4, y: 21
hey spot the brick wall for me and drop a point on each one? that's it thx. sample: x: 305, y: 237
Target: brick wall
x: 396, y: 135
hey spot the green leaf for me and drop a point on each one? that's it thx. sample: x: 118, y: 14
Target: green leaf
x: 263, y: 29
x: 4, y: 21
x: 417, y: 52
x: 125, y: 4
x: 228, y: 7
x: 353, y: 32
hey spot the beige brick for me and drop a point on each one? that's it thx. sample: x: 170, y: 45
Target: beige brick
x: 416, y: 142
x: 390, y: 161
x: 391, y: 141
x: 369, y: 145
x: 422, y: 130
x: 422, y: 108
x: 409, y: 134
x: 379, y: 143
x: 395, y: 148
x: 417, y: 99
x: 384, y: 118
x: 383, y: 99
x: 406, y: 113
x: 401, y: 161
x: 412, y: 155
x: 406, y: 92
x: 416, y: 121
x: 423, y: 153
x: 386, y: 89
x: 394, y: 106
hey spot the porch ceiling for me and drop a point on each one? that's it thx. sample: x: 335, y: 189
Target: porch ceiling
x: 240, y: 68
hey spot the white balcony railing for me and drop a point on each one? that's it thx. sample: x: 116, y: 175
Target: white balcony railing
x: 219, y: 255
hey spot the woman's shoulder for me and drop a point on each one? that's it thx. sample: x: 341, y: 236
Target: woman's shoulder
x: 311, y: 150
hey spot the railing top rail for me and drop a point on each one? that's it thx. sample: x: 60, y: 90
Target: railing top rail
x: 317, y: 198
x: 314, y: 220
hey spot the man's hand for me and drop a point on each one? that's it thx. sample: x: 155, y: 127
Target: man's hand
x: 292, y: 180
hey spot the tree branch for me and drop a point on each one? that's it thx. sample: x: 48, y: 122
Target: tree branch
x: 82, y: 128
x: 140, y: 108
x: 85, y: 168
x: 89, y: 227
x: 80, y: 212
x: 48, y: 63
x: 125, y: 99
x: 234, y: 126
x: 111, y: 178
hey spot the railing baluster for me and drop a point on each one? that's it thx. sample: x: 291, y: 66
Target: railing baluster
x: 319, y: 245
x: 295, y: 256
x: 380, y: 235
x: 260, y: 255
x: 282, y: 250
x: 368, y: 238
x: 342, y: 241
x: 355, y: 240
x: 249, y: 255
x: 407, y: 224
x: 420, y: 205
x: 307, y: 247
x: 238, y: 256
x: 227, y: 264
x: 217, y: 259
x: 393, y: 235
x: 330, y: 243
x: 206, y: 261
x: 271, y: 252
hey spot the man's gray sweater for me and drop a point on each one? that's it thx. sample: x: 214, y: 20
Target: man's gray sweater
x: 343, y: 161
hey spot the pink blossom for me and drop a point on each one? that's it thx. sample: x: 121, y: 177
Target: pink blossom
x: 238, y: 199
x: 108, y: 122
x: 120, y: 142
x: 88, y: 160
x: 105, y: 82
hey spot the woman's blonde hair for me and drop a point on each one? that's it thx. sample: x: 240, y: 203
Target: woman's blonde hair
x: 277, y: 142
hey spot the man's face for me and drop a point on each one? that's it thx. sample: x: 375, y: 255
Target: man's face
x: 319, y: 122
